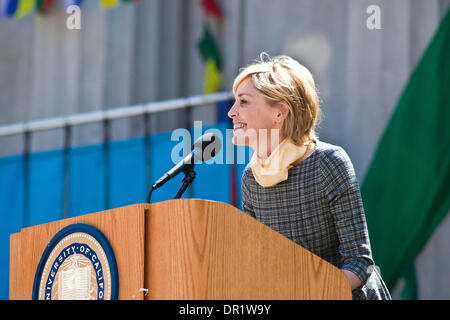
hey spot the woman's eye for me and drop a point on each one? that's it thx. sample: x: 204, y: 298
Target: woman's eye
x: 243, y: 101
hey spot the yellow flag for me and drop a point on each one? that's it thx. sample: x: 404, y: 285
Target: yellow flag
x: 108, y: 4
x: 24, y: 7
x: 213, y: 78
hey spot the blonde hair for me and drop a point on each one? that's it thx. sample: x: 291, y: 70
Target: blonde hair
x: 282, y: 78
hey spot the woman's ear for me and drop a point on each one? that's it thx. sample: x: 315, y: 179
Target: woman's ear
x: 282, y: 112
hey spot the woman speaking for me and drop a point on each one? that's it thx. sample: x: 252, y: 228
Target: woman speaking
x: 299, y: 186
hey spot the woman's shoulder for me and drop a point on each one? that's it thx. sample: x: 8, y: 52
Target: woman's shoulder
x: 332, y: 156
x: 334, y: 160
x: 330, y: 152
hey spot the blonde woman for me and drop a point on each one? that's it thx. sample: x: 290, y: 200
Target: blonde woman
x: 301, y: 187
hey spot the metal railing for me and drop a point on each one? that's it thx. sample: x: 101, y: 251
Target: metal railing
x: 111, y: 114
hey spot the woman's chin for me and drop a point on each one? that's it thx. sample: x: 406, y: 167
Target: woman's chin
x: 240, y: 139
x: 236, y: 141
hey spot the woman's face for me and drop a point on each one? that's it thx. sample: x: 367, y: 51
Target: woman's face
x: 253, y: 118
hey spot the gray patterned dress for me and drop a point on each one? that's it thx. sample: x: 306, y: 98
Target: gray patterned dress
x: 319, y: 207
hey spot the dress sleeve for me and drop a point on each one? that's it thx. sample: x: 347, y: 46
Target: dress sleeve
x: 246, y: 203
x: 343, y: 195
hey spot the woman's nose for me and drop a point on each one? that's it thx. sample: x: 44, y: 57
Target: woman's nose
x: 232, y: 112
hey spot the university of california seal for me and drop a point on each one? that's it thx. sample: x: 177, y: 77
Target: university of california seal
x: 77, y: 264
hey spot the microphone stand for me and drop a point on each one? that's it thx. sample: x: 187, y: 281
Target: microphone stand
x: 187, y: 181
x: 189, y: 176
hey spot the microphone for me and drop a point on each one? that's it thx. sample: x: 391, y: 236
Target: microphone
x: 203, y: 149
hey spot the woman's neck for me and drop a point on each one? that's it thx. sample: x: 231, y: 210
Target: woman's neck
x: 265, y: 147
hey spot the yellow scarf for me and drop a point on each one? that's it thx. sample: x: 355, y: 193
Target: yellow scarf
x: 271, y: 171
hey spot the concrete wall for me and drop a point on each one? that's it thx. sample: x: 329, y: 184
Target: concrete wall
x: 147, y: 52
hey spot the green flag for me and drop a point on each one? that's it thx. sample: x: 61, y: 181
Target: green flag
x: 208, y: 48
x: 213, y: 65
x: 406, y: 191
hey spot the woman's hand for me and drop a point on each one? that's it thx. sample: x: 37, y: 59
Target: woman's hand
x: 354, y: 280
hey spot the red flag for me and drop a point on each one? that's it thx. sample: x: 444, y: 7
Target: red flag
x: 211, y: 8
x: 44, y: 5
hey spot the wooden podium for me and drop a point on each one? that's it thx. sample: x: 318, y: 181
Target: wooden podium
x: 189, y: 249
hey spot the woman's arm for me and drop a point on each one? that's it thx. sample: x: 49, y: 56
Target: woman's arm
x: 344, y: 199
